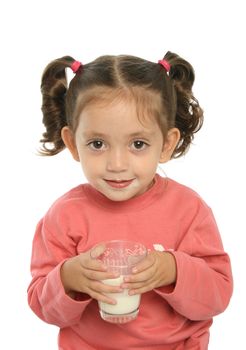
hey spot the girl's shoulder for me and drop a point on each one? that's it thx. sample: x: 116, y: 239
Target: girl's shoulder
x: 69, y: 200
x: 184, y: 195
x: 181, y: 189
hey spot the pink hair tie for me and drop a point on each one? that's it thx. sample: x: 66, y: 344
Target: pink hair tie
x: 75, y: 66
x: 165, y: 64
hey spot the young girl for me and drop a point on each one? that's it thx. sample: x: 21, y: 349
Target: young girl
x: 120, y: 117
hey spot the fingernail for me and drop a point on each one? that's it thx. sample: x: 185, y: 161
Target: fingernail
x: 115, y: 274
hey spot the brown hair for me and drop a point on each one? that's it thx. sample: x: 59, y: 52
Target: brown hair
x: 143, y: 80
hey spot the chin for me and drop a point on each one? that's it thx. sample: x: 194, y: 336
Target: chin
x: 118, y: 196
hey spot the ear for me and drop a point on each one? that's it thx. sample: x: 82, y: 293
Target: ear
x: 69, y: 140
x: 170, y: 142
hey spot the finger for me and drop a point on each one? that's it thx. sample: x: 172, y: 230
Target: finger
x: 101, y: 297
x: 142, y: 276
x: 103, y: 292
x: 97, y: 251
x: 101, y: 287
x: 106, y: 288
x: 141, y: 290
x: 144, y: 264
x: 99, y: 275
x: 148, y: 284
x: 92, y: 264
x: 139, y: 287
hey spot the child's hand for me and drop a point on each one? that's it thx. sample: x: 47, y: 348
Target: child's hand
x: 156, y: 270
x: 84, y: 274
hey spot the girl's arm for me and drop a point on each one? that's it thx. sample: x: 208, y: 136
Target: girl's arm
x: 64, y: 282
x: 204, y: 278
x: 46, y: 294
x: 195, y: 279
x: 203, y: 286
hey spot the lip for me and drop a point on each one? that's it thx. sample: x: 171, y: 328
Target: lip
x: 119, y: 183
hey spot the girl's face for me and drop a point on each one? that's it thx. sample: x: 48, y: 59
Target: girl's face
x: 119, y: 155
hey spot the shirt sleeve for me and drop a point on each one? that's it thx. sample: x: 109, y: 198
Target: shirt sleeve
x: 204, y: 279
x: 46, y: 295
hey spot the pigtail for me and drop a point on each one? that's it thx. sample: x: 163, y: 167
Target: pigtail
x: 53, y: 89
x: 189, y: 115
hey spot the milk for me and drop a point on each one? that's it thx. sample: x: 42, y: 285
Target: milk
x: 125, y: 303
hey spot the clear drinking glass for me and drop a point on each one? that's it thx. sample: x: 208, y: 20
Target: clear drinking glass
x: 119, y: 256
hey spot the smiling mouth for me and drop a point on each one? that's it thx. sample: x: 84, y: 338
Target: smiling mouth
x: 119, y: 183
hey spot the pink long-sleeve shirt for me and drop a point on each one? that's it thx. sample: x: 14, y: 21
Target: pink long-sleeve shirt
x: 169, y: 216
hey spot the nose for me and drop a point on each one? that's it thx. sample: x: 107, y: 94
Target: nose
x: 117, y: 160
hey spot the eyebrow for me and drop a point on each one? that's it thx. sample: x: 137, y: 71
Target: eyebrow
x: 102, y: 135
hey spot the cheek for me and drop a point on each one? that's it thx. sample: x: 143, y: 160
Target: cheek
x: 146, y: 165
x: 90, y: 165
x: 154, y: 155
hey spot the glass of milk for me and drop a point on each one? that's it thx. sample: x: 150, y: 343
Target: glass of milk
x: 119, y: 256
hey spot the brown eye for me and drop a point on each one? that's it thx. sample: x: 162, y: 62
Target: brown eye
x: 139, y: 145
x: 96, y: 145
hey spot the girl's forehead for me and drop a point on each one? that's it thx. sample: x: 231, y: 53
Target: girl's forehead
x: 119, y: 118
x: 119, y: 115
x: 146, y: 104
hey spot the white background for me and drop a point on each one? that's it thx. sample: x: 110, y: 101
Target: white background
x: 211, y: 36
